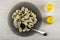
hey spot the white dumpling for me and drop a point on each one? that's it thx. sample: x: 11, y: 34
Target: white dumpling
x: 33, y: 15
x: 20, y: 11
x: 23, y: 8
x: 35, y: 20
x: 14, y: 14
x: 17, y: 17
x: 20, y: 30
x: 26, y: 9
x: 24, y: 30
x: 25, y: 12
x: 22, y: 19
x: 30, y: 19
x: 26, y: 17
x: 29, y: 26
x: 25, y: 23
x: 17, y: 11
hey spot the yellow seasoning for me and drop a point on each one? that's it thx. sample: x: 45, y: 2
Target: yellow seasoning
x: 49, y: 7
x: 50, y: 19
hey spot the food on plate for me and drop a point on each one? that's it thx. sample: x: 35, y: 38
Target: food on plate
x: 25, y: 16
